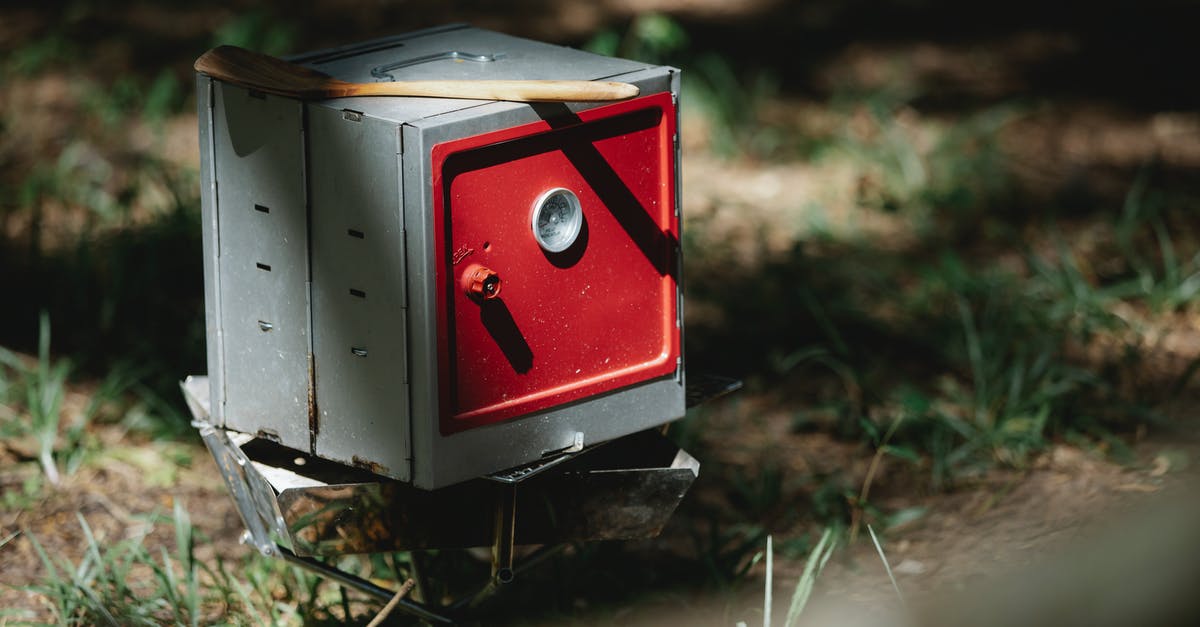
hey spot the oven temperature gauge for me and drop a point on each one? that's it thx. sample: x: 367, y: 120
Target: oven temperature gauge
x: 557, y: 220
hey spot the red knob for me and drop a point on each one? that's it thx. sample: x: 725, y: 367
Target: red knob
x: 480, y: 282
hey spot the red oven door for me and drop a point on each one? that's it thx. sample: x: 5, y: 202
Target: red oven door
x: 558, y: 249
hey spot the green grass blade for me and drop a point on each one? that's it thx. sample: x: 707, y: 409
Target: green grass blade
x: 184, y: 543
x: 812, y: 569
x: 886, y: 566
x: 768, y: 585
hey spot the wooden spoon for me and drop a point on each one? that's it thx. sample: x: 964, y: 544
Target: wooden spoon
x: 276, y: 76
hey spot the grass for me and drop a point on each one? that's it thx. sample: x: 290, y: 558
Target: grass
x: 982, y: 328
x: 996, y: 347
x: 103, y: 587
x: 33, y: 407
x: 1163, y: 280
x: 886, y: 565
x: 128, y: 583
x: 933, y: 356
x: 156, y: 577
x: 802, y: 593
x: 812, y: 569
x: 44, y: 389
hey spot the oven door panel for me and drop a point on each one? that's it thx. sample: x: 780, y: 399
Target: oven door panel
x: 591, y: 319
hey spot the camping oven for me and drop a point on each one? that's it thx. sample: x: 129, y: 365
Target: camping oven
x: 436, y: 289
x: 427, y: 315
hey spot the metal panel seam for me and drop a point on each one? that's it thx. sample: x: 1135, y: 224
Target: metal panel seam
x: 408, y: 349
x: 403, y: 304
x: 313, y: 415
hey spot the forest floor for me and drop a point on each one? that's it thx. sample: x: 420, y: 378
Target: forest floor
x: 894, y: 160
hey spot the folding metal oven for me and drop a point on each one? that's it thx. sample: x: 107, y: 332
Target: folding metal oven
x: 434, y: 290
x: 341, y: 237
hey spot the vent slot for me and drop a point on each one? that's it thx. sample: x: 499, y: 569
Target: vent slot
x: 262, y: 208
x: 355, y: 233
x: 357, y: 293
x: 263, y: 266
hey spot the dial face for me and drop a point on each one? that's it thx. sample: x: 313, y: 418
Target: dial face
x: 557, y: 218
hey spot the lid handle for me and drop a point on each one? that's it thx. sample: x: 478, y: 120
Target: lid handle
x: 384, y: 72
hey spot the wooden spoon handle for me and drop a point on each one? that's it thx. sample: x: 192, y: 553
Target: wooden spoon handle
x: 276, y: 76
x: 518, y: 90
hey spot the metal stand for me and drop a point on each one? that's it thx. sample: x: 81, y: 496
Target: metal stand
x: 419, y: 610
x: 299, y: 507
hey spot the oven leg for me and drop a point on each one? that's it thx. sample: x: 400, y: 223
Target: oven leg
x: 542, y: 554
x: 503, y: 536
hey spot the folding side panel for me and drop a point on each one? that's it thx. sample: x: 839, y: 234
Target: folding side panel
x: 263, y: 264
x: 358, y: 292
x: 208, y: 218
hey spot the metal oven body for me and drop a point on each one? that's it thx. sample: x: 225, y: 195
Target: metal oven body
x: 437, y: 289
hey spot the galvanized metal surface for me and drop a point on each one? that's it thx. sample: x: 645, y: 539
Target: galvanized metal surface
x: 358, y: 292
x: 263, y: 263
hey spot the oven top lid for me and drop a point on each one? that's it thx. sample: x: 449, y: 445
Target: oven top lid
x: 455, y: 52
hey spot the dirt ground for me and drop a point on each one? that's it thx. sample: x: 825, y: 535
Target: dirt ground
x: 1008, y: 525
x: 123, y: 495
